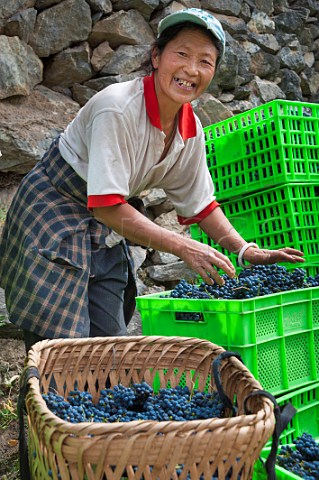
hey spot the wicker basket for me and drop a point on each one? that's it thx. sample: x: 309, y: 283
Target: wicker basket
x: 227, y: 447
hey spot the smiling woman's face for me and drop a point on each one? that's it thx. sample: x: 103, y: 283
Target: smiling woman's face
x: 185, y: 67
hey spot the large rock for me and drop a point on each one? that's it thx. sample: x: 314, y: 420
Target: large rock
x: 58, y: 27
x: 70, y: 66
x: 21, y: 24
x: 128, y: 28
x: 29, y: 124
x: 20, y: 68
x: 145, y: 7
x: 210, y: 110
x: 9, y: 8
x: 126, y: 59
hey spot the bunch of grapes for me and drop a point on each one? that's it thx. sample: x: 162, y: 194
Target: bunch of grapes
x: 125, y: 404
x: 257, y: 281
x: 303, y: 460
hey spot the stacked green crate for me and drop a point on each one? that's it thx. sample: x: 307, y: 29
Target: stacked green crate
x: 306, y: 420
x: 265, y: 167
x: 276, y: 335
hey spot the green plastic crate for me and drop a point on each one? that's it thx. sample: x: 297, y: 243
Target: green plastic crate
x: 276, y: 335
x: 281, y: 473
x: 284, y: 216
x: 305, y: 420
x: 275, y: 143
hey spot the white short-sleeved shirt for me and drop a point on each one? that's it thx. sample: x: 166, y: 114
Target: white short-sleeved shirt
x: 115, y: 143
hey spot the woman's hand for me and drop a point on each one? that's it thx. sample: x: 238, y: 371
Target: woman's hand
x: 260, y: 256
x: 204, y: 260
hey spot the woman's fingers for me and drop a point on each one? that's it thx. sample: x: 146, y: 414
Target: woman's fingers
x: 291, y: 251
x: 205, y: 260
x: 268, y: 257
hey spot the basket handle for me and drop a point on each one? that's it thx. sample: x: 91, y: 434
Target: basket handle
x: 28, y: 372
x: 216, y: 375
x: 283, y: 416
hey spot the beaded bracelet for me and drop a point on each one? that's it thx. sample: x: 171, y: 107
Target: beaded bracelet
x: 241, y: 254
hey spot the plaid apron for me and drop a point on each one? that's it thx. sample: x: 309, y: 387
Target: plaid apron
x: 45, y: 251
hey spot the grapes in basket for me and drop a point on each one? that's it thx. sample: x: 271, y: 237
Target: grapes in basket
x: 138, y: 402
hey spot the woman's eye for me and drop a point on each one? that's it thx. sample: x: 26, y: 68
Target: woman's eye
x: 183, y: 54
x: 207, y: 62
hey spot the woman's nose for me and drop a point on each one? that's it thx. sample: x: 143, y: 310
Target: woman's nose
x: 191, y: 65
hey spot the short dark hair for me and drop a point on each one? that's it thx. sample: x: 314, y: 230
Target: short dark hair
x: 171, y: 32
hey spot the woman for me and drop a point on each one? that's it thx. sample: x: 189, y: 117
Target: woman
x: 62, y: 276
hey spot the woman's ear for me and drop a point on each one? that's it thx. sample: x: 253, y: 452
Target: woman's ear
x: 155, y: 57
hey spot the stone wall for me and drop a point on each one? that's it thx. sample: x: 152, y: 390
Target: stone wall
x: 55, y: 54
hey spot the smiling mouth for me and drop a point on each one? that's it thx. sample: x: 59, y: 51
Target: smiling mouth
x: 184, y: 83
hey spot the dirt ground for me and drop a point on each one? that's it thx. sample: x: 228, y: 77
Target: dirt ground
x: 12, y: 356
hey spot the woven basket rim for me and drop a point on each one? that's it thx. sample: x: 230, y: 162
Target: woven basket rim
x: 63, y: 426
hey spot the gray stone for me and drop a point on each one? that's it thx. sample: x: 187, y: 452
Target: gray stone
x: 58, y: 27
x: 81, y: 94
x: 29, y: 124
x: 154, y: 197
x: 42, y: 4
x: 245, y: 12
x: 103, y: 6
x: 126, y: 59
x: 266, y: 41
x: 233, y: 25
x: 261, y: 23
x: 70, y: 66
x: 266, y: 90
x: 240, y: 106
x: 242, y: 92
x: 290, y: 85
x: 311, y: 5
x: 292, y: 59
x: 226, y: 75
x: 21, y: 24
x: 170, y: 272
x: 210, y: 110
x: 145, y: 7
x: 265, y: 65
x: 169, y: 221
x: 128, y: 28
x: 102, y: 82
x: 290, y: 21
x: 191, y: 3
x: 163, y: 258
x: 102, y: 55
x: 20, y: 68
x: 280, y: 6
x: 226, y: 7
x: 9, y: 8
x: 309, y: 58
x: 309, y: 82
x: 266, y: 6
x: 306, y: 38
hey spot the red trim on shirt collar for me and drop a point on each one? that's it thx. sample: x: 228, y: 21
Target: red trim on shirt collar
x: 186, y: 121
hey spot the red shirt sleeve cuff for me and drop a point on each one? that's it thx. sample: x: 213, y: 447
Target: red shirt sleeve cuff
x: 95, y: 201
x: 198, y: 218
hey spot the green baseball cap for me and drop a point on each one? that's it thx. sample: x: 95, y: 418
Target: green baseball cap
x: 200, y: 17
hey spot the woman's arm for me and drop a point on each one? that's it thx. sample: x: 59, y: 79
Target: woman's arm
x: 134, y: 226
x: 219, y: 229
